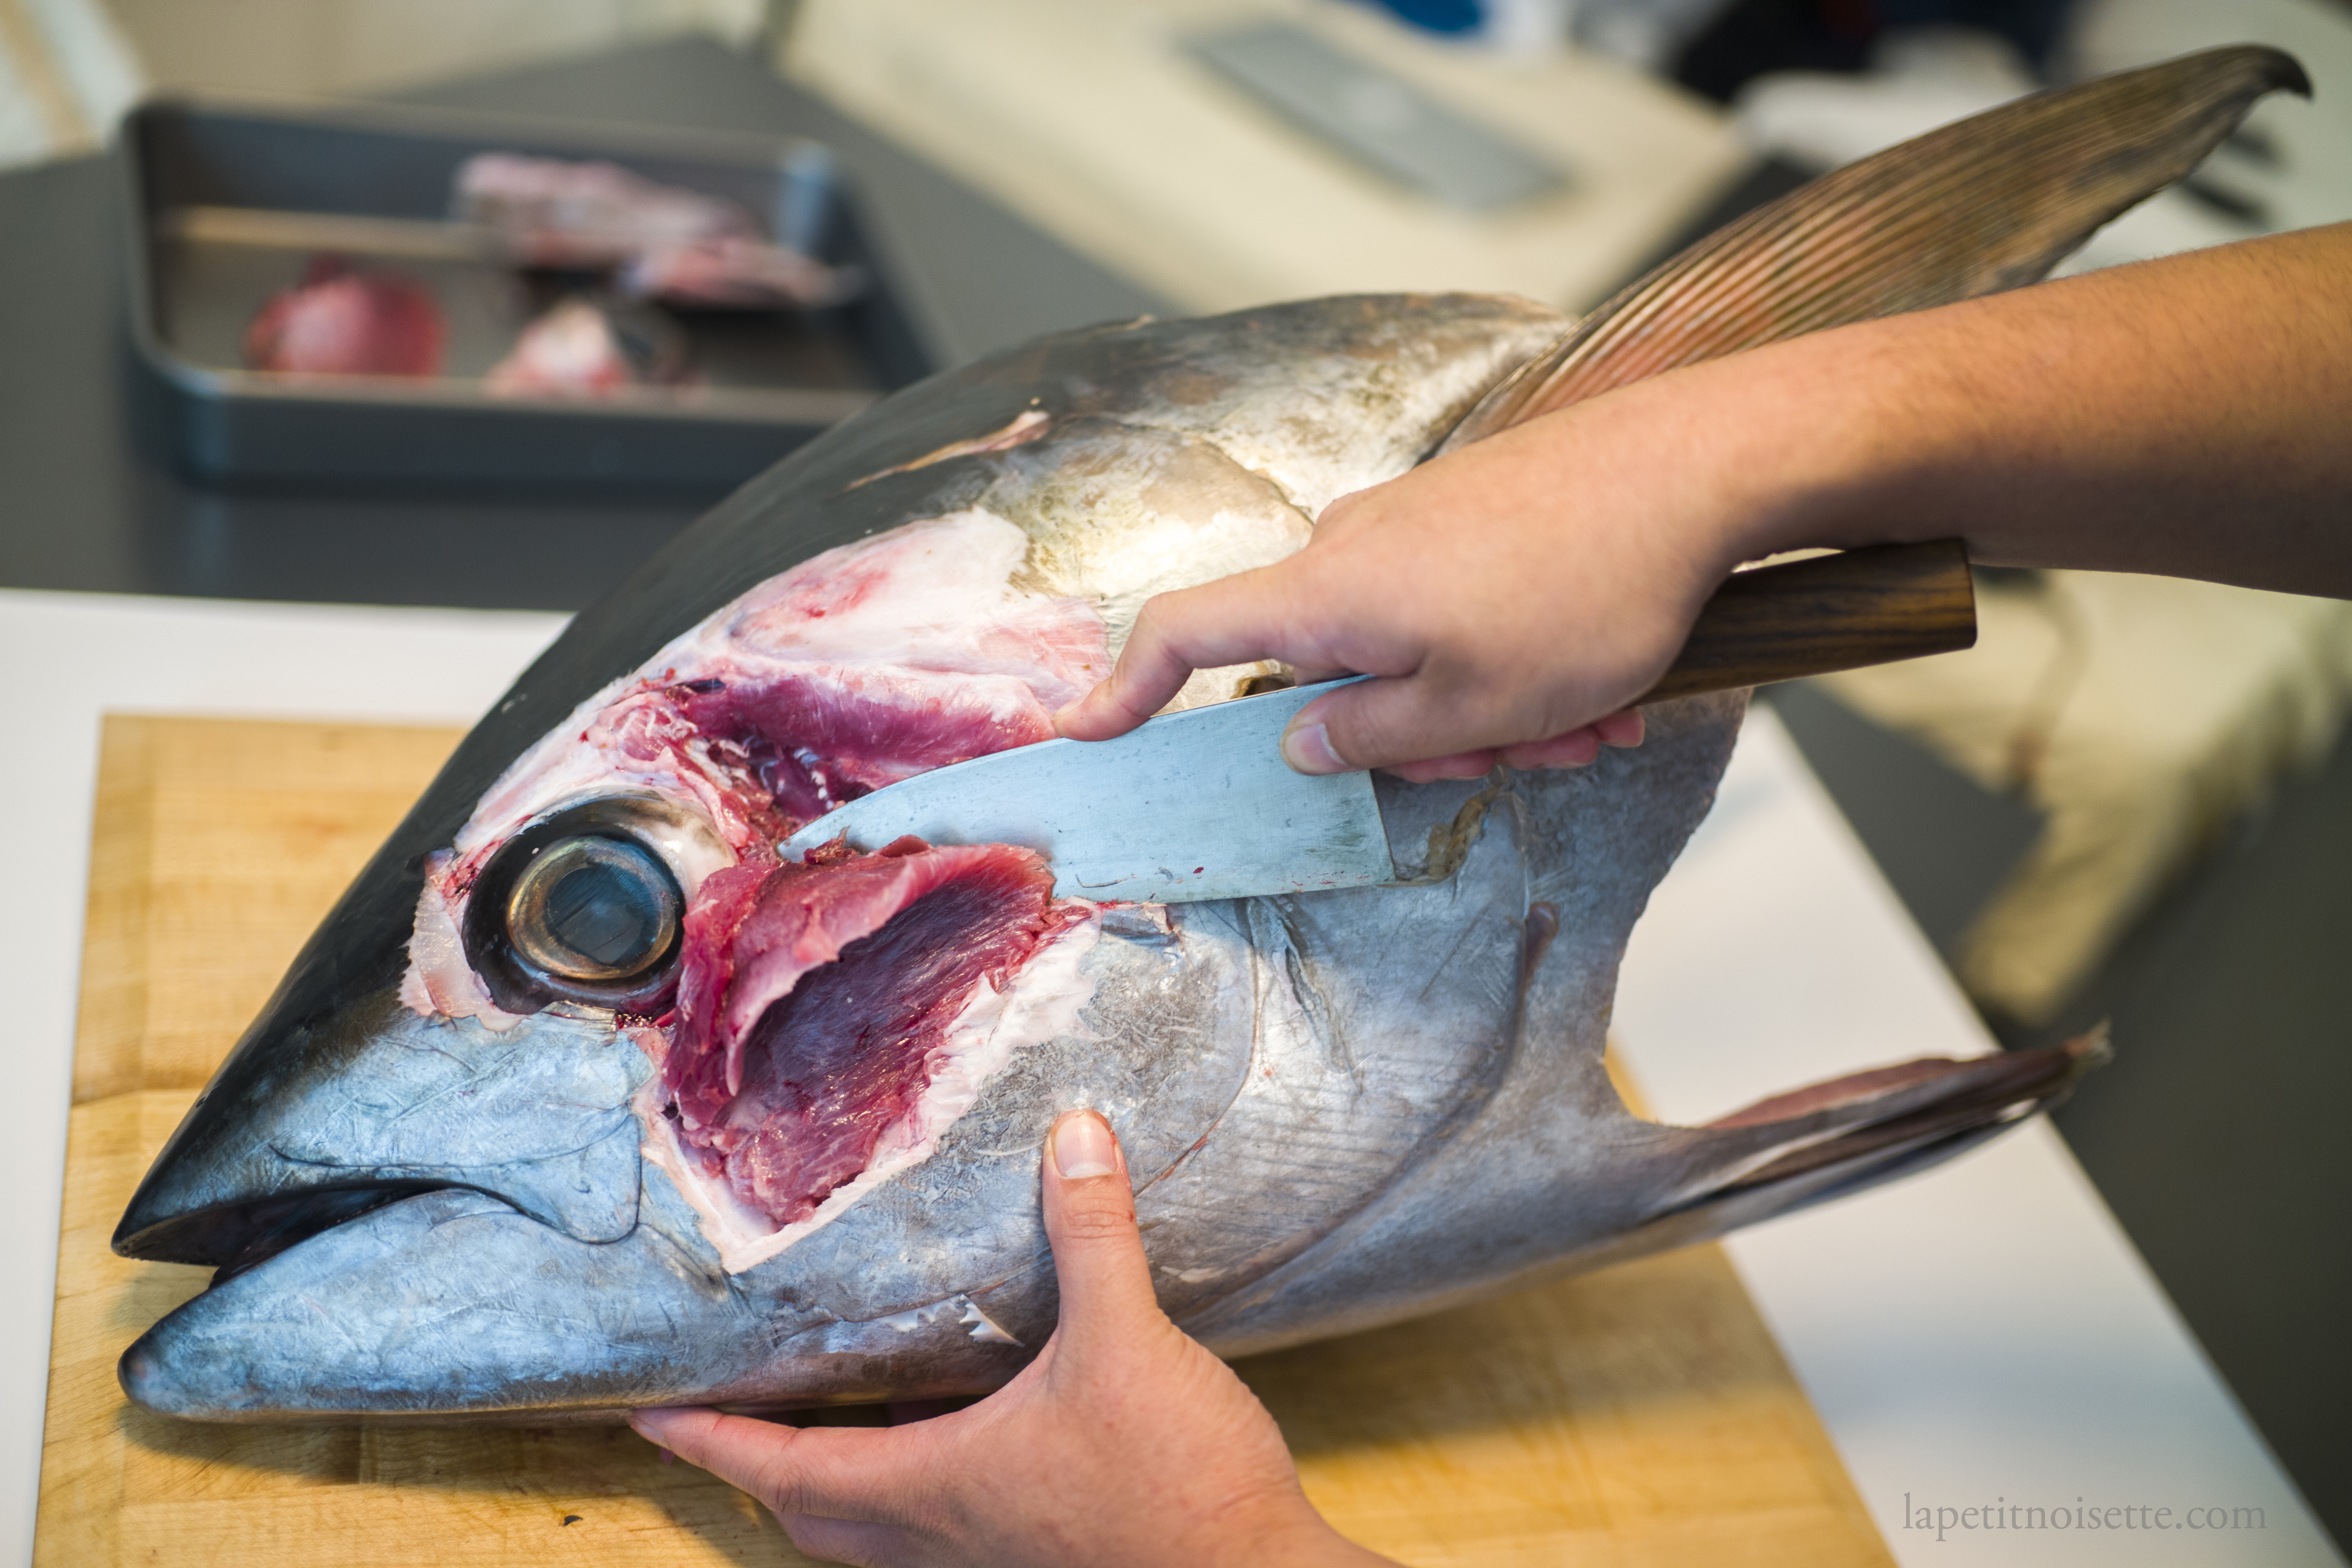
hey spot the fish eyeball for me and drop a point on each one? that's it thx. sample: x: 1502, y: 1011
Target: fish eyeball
x: 586, y: 906
x: 594, y: 908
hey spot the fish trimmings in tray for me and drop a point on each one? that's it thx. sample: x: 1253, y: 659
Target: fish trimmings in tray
x: 345, y: 292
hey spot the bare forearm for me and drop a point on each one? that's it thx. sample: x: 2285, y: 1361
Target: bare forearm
x: 2190, y: 416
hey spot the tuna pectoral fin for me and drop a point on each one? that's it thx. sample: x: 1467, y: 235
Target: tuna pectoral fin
x: 1860, y: 1129
x: 1989, y: 203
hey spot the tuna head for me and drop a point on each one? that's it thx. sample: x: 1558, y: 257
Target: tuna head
x: 583, y: 1098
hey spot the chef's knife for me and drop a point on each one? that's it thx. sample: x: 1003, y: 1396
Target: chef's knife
x: 1200, y: 805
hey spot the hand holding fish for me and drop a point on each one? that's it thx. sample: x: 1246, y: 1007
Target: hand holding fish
x: 1124, y: 1441
x: 2182, y: 416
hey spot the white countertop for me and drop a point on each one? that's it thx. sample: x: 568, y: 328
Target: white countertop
x: 80, y: 656
x: 1981, y: 1332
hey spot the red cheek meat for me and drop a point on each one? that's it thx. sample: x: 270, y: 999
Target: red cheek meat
x: 814, y: 997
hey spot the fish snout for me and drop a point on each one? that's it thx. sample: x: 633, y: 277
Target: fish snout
x: 377, y: 1104
x: 443, y: 1303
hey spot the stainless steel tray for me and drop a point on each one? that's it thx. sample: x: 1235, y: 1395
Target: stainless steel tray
x: 229, y: 200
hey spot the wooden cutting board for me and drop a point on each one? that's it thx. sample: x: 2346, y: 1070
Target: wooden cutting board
x: 1640, y: 1416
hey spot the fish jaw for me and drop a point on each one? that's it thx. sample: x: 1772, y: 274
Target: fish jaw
x: 385, y: 1103
x: 438, y: 1303
x: 452, y: 1304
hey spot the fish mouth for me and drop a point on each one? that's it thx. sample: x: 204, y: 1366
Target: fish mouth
x: 241, y: 1237
x: 387, y: 1105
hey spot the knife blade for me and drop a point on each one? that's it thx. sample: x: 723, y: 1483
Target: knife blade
x: 1196, y: 804
x: 1200, y: 805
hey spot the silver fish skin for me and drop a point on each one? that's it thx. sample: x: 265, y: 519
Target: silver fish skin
x: 433, y: 1191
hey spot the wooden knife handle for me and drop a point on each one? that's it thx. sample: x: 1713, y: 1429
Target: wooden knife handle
x: 1872, y: 606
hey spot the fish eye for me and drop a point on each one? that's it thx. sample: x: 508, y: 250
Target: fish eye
x: 586, y: 905
x: 594, y: 908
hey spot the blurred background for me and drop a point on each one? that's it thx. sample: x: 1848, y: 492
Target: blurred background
x: 2132, y: 802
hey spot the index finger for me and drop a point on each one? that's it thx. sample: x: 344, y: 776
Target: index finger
x: 1230, y: 621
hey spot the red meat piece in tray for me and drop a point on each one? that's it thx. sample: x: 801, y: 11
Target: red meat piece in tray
x: 342, y: 321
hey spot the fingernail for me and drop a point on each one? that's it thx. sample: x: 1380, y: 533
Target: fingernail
x: 1083, y: 1147
x: 1062, y: 715
x: 1621, y: 729
x: 1308, y: 749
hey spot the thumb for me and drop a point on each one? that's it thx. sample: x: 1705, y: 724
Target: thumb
x: 1106, y: 1282
x: 1383, y: 722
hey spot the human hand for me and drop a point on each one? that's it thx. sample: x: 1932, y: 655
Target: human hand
x: 1514, y: 596
x: 1511, y: 597
x: 1124, y: 1441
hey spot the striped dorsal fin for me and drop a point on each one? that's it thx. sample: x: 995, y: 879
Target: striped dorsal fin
x: 1989, y: 203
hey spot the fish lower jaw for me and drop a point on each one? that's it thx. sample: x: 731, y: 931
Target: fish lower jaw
x: 448, y: 1304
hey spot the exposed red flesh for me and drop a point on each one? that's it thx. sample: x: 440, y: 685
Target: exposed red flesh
x: 843, y: 742
x: 815, y: 995
x: 782, y: 750
x: 342, y: 321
